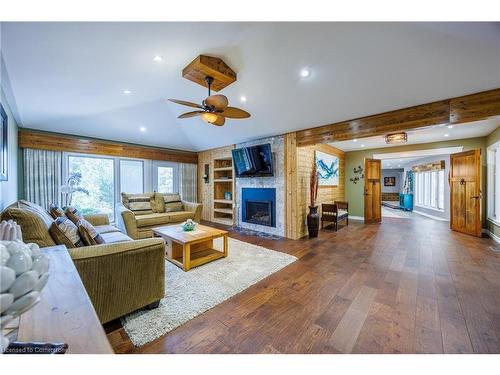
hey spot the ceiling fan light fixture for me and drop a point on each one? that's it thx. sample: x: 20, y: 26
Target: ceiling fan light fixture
x: 209, y: 117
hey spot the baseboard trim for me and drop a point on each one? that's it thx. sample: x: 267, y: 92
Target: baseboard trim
x: 493, y: 236
x: 357, y: 218
x: 430, y: 216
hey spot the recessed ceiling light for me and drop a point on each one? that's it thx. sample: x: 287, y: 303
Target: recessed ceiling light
x: 142, y: 129
x: 400, y: 159
x: 450, y: 126
x: 354, y: 140
x: 126, y: 92
x: 362, y: 145
x: 446, y: 135
x: 157, y: 58
x: 243, y: 98
x: 399, y: 165
x: 304, y: 73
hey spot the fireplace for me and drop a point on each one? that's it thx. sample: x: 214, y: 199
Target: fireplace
x: 259, y: 212
x: 259, y: 206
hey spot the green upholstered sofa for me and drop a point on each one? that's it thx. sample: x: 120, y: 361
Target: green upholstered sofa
x: 138, y: 214
x: 120, y: 276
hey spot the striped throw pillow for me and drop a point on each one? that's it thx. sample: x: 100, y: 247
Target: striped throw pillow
x: 88, y: 233
x: 139, y: 204
x: 65, y: 232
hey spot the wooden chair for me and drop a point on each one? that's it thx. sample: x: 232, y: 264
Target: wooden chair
x: 334, y: 213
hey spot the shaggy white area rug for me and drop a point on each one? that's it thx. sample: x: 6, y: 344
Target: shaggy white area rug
x: 188, y: 294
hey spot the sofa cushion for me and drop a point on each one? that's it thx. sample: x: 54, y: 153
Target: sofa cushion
x: 139, y: 204
x: 65, y: 232
x: 88, y: 233
x: 73, y: 214
x: 169, y: 202
x: 101, y: 229
x: 25, y: 205
x: 55, y: 211
x: 152, y: 219
x: 180, y: 216
x: 112, y: 237
x: 35, y: 228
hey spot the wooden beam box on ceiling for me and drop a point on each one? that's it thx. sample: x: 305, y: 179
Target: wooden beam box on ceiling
x: 215, y: 67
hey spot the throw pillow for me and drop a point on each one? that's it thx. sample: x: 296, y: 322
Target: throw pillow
x: 65, y: 232
x: 173, y: 202
x: 88, y: 233
x: 139, y: 204
x: 73, y: 214
x: 55, y: 211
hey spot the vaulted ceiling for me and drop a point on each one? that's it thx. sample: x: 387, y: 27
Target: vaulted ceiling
x: 70, y: 77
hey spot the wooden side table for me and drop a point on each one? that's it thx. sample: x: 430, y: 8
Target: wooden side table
x: 65, y: 312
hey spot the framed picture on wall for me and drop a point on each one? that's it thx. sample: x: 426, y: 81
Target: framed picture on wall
x: 3, y: 144
x: 328, y: 169
x: 389, y: 181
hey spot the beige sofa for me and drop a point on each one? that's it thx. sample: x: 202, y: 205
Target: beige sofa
x: 138, y: 214
x: 120, y: 276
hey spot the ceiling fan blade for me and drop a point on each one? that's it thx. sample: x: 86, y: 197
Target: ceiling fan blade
x: 232, y: 112
x: 191, y: 114
x: 189, y: 104
x: 220, y: 121
x: 219, y: 102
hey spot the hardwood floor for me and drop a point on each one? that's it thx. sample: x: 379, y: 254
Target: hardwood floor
x: 403, y: 286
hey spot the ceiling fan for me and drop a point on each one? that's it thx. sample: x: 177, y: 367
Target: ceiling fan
x: 214, y: 109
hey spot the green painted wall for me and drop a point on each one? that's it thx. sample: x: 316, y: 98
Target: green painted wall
x: 354, y: 192
x: 493, y: 138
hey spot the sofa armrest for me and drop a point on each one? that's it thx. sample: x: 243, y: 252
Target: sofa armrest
x: 122, y: 277
x: 97, y: 219
x: 196, y: 208
x: 125, y: 220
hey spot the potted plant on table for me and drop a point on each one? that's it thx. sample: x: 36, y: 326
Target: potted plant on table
x: 313, y: 216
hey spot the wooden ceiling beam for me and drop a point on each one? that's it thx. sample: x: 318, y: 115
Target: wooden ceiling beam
x: 475, y: 107
x: 60, y: 142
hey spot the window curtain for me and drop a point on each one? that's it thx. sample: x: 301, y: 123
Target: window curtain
x: 42, y: 176
x: 188, y: 181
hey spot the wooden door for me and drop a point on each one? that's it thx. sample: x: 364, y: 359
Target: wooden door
x: 465, y: 192
x: 373, y: 202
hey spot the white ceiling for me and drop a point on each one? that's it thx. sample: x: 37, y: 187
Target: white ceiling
x: 426, y: 135
x: 70, y: 77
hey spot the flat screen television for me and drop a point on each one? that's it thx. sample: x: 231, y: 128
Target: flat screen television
x: 254, y: 161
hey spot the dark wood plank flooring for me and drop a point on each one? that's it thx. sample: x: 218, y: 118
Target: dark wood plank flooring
x: 403, y: 286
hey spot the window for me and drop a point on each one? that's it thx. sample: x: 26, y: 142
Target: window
x: 165, y: 177
x: 96, y: 191
x: 132, y: 176
x: 103, y: 179
x: 429, y: 189
x: 494, y: 182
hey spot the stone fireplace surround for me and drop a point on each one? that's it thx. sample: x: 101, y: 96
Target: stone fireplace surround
x: 277, y: 182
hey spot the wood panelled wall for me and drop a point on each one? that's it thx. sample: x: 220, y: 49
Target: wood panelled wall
x: 298, y: 164
x: 60, y: 142
x: 205, y: 191
x: 326, y: 194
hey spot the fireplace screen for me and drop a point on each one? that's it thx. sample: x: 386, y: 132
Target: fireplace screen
x: 259, y: 212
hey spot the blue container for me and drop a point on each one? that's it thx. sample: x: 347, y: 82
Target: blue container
x: 406, y: 202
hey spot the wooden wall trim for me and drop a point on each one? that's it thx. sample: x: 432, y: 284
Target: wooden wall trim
x: 60, y: 142
x: 475, y: 107
x: 291, y: 217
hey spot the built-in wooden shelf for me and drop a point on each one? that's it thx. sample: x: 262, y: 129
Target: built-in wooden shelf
x: 223, y: 221
x: 223, y: 169
x: 222, y: 208
x: 225, y: 201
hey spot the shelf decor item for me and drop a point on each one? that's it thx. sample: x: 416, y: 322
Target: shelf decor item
x: 313, y: 216
x: 23, y: 274
x: 188, y: 225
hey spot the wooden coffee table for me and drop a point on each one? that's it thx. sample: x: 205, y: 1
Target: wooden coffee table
x: 191, y: 249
